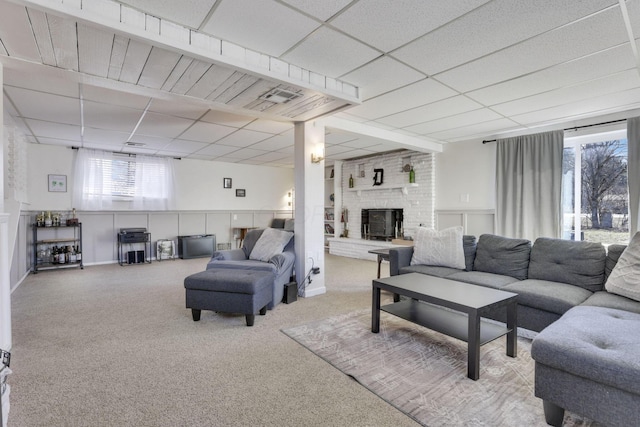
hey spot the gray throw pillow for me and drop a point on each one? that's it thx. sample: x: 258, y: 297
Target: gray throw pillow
x: 271, y: 243
x: 625, y: 277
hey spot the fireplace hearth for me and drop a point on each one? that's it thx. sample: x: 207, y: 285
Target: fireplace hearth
x: 381, y: 224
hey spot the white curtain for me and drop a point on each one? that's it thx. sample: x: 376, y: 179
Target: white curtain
x: 99, y: 174
x: 529, y: 186
x: 633, y: 173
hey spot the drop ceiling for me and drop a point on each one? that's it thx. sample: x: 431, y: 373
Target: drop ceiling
x: 185, y: 78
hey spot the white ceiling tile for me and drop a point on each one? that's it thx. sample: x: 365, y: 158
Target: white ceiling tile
x: 567, y: 43
x: 178, y: 108
x: 266, y: 26
x: 154, y: 124
x: 335, y: 150
x: 331, y: 53
x: 102, y: 146
x: 151, y: 141
x: 587, y: 108
x: 112, y: 117
x: 108, y: 96
x: 362, y: 142
x: 104, y: 137
x: 37, y: 105
x: 322, y: 10
x: 216, y: 150
x: 417, y: 94
x: 382, y: 75
x: 468, y: 132
x: 269, y: 157
x: 206, y: 132
x: 433, y: 111
x: 243, y: 138
x: 452, y: 122
x: 333, y: 137
x: 54, y: 130
x: 174, y: 11
x: 245, y: 153
x: 184, y: 146
x: 490, y: 28
x: 226, y: 118
x: 569, y: 73
x: 46, y: 82
x: 275, y: 143
x: 384, y: 25
x: 269, y: 126
x: 609, y: 84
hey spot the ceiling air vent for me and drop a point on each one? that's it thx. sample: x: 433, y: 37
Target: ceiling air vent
x: 134, y: 144
x: 280, y: 96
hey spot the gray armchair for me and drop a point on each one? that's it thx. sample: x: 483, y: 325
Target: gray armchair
x: 281, y: 264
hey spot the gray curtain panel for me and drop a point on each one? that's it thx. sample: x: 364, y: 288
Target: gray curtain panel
x: 529, y: 185
x: 633, y: 172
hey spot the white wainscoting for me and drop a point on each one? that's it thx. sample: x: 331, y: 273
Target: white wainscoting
x: 474, y: 221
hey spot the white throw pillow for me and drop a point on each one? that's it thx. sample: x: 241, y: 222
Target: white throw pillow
x: 439, y: 248
x: 625, y: 277
x: 271, y: 243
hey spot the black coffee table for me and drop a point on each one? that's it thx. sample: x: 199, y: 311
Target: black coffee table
x: 470, y: 302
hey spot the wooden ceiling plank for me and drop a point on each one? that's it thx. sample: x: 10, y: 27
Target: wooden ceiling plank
x: 118, y: 53
x: 94, y: 50
x: 191, y: 75
x: 252, y: 93
x: 40, y: 27
x: 134, y: 61
x: 65, y: 41
x: 177, y: 72
x: 239, y: 86
x: 210, y: 81
x: 158, y: 68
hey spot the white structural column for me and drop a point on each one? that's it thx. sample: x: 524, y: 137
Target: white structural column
x: 5, y: 285
x: 309, y: 222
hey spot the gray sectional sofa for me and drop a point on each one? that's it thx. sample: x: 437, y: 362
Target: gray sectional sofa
x: 587, y: 351
x: 550, y: 277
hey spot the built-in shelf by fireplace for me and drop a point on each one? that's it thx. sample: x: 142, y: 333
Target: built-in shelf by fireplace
x: 381, y: 224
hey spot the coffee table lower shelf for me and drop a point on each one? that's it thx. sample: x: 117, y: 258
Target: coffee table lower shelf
x: 451, y: 323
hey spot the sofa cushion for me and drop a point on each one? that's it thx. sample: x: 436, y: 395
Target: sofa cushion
x: 489, y: 280
x: 609, y: 300
x: 431, y: 270
x: 502, y: 255
x: 469, y: 246
x: 625, y: 277
x: 550, y: 296
x: 439, y: 248
x: 597, y: 343
x: 576, y: 263
x: 271, y: 243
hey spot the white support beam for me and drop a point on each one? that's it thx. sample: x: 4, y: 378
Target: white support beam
x: 409, y: 142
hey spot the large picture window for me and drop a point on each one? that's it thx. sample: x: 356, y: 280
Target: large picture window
x: 596, y: 204
x: 108, y: 181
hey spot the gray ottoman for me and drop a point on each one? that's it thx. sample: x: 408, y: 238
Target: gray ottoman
x: 229, y: 291
x: 588, y: 362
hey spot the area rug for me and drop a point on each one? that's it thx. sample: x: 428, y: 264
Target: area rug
x: 424, y: 373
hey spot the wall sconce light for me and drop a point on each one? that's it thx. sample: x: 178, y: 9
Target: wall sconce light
x: 289, y: 196
x: 318, y: 156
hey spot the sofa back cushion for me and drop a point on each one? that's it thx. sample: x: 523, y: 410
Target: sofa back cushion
x: 469, y: 245
x: 271, y: 243
x: 566, y: 261
x: 502, y: 255
x: 624, y: 279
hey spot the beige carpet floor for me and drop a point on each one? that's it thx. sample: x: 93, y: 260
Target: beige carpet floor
x: 115, y: 346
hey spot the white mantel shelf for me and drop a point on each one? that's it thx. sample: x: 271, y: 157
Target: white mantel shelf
x: 402, y: 187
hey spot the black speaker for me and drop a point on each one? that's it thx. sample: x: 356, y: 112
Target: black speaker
x: 290, y: 293
x: 131, y: 257
x: 139, y: 257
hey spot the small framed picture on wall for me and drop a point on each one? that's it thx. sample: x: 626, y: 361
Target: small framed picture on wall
x: 226, y: 182
x: 58, y: 183
x: 240, y: 192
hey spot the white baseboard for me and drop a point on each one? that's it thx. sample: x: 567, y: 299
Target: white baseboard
x: 314, y: 292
